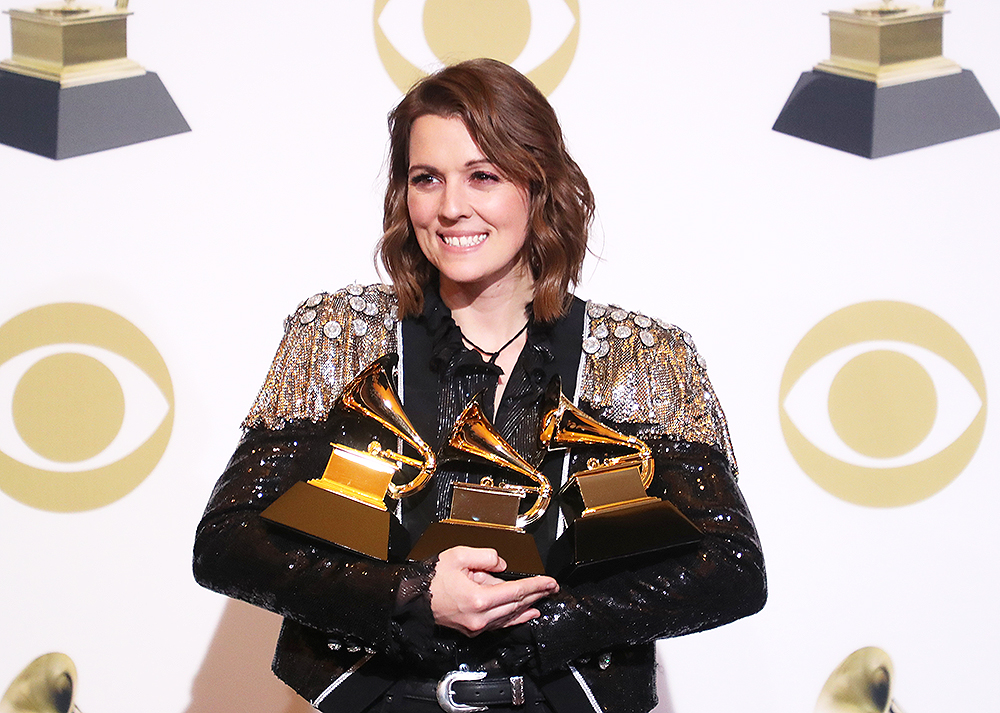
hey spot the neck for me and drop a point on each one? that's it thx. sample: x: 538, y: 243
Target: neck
x: 490, y: 316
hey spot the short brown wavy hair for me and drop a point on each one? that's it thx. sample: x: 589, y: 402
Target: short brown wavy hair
x: 516, y: 129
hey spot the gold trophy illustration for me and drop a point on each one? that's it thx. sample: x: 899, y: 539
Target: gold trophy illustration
x: 864, y: 681
x: 46, y: 685
x: 346, y: 506
x: 886, y: 87
x: 609, y: 513
x: 70, y: 88
x: 488, y: 513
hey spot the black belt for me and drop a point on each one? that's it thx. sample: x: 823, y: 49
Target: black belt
x: 465, y: 691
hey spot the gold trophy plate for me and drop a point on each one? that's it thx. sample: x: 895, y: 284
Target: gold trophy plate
x: 344, y: 507
x: 484, y: 516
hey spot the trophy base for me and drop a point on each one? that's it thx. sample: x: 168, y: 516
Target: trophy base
x: 337, y: 520
x: 44, y: 118
x: 592, y: 541
x: 864, y: 119
x: 517, y: 547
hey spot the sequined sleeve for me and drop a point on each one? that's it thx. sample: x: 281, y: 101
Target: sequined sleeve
x: 647, y: 372
x: 645, y: 378
x: 327, y: 340
x: 238, y: 554
x: 592, y: 623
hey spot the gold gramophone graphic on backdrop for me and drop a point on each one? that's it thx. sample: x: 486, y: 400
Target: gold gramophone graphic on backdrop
x: 346, y: 506
x: 609, y: 512
x: 46, y: 685
x: 488, y: 514
x: 862, y: 683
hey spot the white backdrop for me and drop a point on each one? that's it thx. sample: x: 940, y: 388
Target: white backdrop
x: 707, y: 218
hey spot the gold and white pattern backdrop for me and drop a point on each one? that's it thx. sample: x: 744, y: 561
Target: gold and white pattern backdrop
x: 847, y: 308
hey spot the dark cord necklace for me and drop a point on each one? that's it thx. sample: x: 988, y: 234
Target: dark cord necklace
x: 493, y: 355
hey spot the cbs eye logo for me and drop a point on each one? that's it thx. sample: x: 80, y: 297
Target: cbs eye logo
x: 882, y: 404
x: 91, y: 407
x: 536, y: 37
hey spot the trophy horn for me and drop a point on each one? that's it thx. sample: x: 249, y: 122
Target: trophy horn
x: 473, y: 435
x: 565, y: 425
x: 372, y: 395
x: 46, y: 685
x: 861, y: 684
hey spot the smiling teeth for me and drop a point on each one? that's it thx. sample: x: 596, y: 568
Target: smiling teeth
x: 463, y: 241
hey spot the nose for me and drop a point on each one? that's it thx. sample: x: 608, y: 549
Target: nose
x: 455, y: 202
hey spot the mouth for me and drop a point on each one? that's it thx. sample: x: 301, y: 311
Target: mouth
x: 463, y: 241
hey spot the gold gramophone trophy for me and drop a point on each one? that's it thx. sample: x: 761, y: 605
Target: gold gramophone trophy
x: 46, y: 685
x: 70, y: 88
x: 486, y: 514
x: 862, y: 683
x: 346, y: 506
x: 887, y: 88
x: 609, y: 513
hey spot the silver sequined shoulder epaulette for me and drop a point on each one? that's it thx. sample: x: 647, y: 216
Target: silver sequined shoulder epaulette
x: 641, y: 370
x: 328, y: 339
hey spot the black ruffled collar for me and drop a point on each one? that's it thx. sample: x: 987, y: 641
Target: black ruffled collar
x: 449, y: 353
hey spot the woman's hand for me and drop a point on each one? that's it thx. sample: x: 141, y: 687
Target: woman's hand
x: 465, y: 596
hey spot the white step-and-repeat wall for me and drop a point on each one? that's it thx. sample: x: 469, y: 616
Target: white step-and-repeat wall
x: 848, y: 309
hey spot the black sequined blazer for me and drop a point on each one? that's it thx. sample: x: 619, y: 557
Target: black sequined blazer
x: 348, y: 633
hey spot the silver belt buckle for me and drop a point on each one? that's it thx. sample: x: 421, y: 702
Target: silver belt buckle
x: 446, y: 697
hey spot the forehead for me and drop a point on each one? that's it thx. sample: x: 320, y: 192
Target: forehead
x: 438, y: 140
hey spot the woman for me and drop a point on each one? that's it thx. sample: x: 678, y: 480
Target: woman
x: 486, y: 219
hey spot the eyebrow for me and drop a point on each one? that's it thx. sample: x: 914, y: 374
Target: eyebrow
x: 468, y: 164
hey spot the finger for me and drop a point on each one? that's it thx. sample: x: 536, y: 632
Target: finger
x: 510, y: 615
x: 484, y: 578
x: 526, y: 616
x: 476, y: 558
x: 507, y: 599
x: 513, y: 619
x: 521, y: 588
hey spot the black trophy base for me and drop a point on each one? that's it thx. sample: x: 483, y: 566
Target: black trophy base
x: 57, y: 122
x: 593, y: 542
x: 517, y: 547
x: 324, y: 515
x: 861, y: 118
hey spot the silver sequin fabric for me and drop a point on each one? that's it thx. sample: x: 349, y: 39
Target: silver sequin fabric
x: 327, y: 341
x: 635, y: 369
x: 641, y: 370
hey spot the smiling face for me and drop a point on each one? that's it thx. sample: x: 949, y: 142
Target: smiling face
x: 470, y: 221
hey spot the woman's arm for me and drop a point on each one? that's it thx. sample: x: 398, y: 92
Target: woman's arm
x: 721, y: 580
x: 384, y: 607
x: 239, y: 554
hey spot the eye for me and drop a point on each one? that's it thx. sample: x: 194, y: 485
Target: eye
x: 882, y: 404
x: 422, y: 179
x: 89, y: 407
x: 485, y: 177
x: 125, y: 402
x: 417, y: 36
